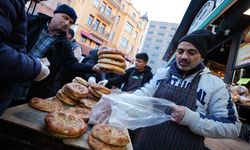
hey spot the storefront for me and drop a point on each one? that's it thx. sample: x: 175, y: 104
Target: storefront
x: 229, y: 54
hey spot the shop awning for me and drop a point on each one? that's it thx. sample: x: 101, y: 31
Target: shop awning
x: 90, y: 36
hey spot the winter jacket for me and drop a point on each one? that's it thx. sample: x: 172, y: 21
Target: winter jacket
x: 59, y: 55
x: 216, y: 114
x: 15, y: 65
x: 119, y: 80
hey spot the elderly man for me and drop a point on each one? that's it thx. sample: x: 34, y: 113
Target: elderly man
x: 204, y: 106
x: 47, y: 39
x: 16, y: 66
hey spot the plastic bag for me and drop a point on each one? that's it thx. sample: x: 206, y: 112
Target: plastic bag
x: 130, y: 111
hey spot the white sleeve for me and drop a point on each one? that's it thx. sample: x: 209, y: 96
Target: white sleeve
x: 149, y: 88
x: 221, y: 120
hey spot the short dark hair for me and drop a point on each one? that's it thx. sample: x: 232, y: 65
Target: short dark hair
x: 71, y: 32
x: 143, y: 56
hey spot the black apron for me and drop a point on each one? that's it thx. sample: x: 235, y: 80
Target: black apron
x: 134, y: 84
x: 170, y: 135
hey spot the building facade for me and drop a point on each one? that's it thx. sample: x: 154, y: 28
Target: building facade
x: 156, y: 41
x: 111, y: 23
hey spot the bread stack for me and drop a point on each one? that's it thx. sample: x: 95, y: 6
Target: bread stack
x: 72, y: 92
x: 96, y: 91
x: 112, y: 60
x: 107, y: 137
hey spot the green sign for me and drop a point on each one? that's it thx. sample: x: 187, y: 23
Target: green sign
x: 243, y: 81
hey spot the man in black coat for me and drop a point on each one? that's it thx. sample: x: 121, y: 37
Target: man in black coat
x: 15, y: 65
x: 47, y: 39
x: 134, y: 77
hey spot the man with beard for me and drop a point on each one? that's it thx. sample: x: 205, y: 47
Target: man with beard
x: 203, y: 104
x: 16, y: 66
x: 47, y: 40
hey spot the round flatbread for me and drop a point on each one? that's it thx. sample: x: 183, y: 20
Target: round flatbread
x: 111, y: 51
x: 98, y: 145
x: 113, y: 68
x: 64, y: 98
x: 83, y: 113
x: 47, y: 105
x: 89, y: 103
x: 81, y: 81
x: 112, y: 56
x: 101, y: 88
x: 112, y: 62
x: 75, y: 90
x: 110, y: 135
x: 93, y: 92
x: 64, y: 124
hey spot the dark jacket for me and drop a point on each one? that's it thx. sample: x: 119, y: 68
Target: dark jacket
x: 15, y: 65
x: 119, y: 80
x: 59, y: 55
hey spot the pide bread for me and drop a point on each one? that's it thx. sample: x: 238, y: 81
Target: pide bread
x: 111, y: 51
x: 75, y: 90
x: 47, y: 105
x: 98, y: 145
x: 112, y: 56
x: 81, y: 81
x: 64, y: 98
x: 93, y: 92
x: 64, y: 124
x: 115, y: 69
x: 112, y: 62
x: 110, y: 135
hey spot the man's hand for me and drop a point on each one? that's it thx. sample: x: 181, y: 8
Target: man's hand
x: 96, y: 69
x: 178, y: 113
x: 43, y: 73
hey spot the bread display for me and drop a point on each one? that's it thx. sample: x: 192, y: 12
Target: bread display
x: 112, y: 60
x: 239, y: 93
x: 87, y: 103
x: 96, y: 91
x: 81, y: 81
x: 47, y: 105
x: 107, y: 137
x: 64, y: 98
x: 64, y: 124
x: 82, y: 113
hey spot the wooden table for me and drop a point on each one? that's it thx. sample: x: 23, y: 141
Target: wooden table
x: 24, y: 125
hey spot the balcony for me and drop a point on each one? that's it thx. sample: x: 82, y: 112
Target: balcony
x: 116, y: 3
x: 99, y: 34
x: 109, y: 19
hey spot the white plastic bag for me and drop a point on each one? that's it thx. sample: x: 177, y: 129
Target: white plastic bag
x: 130, y: 111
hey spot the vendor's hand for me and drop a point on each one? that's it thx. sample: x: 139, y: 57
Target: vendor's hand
x: 178, y: 113
x: 103, y: 82
x: 96, y: 69
x: 92, y: 80
x: 43, y: 73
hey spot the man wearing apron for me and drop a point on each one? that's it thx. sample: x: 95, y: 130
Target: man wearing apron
x: 134, y: 77
x: 204, y: 106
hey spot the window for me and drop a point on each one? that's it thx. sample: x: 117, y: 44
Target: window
x: 117, y: 19
x: 152, y: 26
x: 128, y: 27
x: 123, y: 6
x: 170, y: 35
x: 103, y: 7
x: 102, y: 28
x: 90, y: 20
x: 161, y: 34
x: 131, y: 48
x: 157, y: 47
x: 152, y: 62
x: 149, y: 39
x: 83, y: 39
x: 158, y: 40
x: 150, y: 32
x: 108, y: 11
x: 111, y: 36
x: 124, y: 43
x: 96, y: 3
x: 154, y: 55
x: 163, y: 27
x: 96, y: 25
x: 133, y: 15
x: 147, y: 46
x: 135, y: 35
x: 173, y: 29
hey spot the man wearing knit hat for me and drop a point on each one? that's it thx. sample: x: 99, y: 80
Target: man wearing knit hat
x: 47, y: 40
x: 203, y: 104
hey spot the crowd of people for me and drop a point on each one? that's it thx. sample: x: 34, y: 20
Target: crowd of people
x: 39, y: 55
